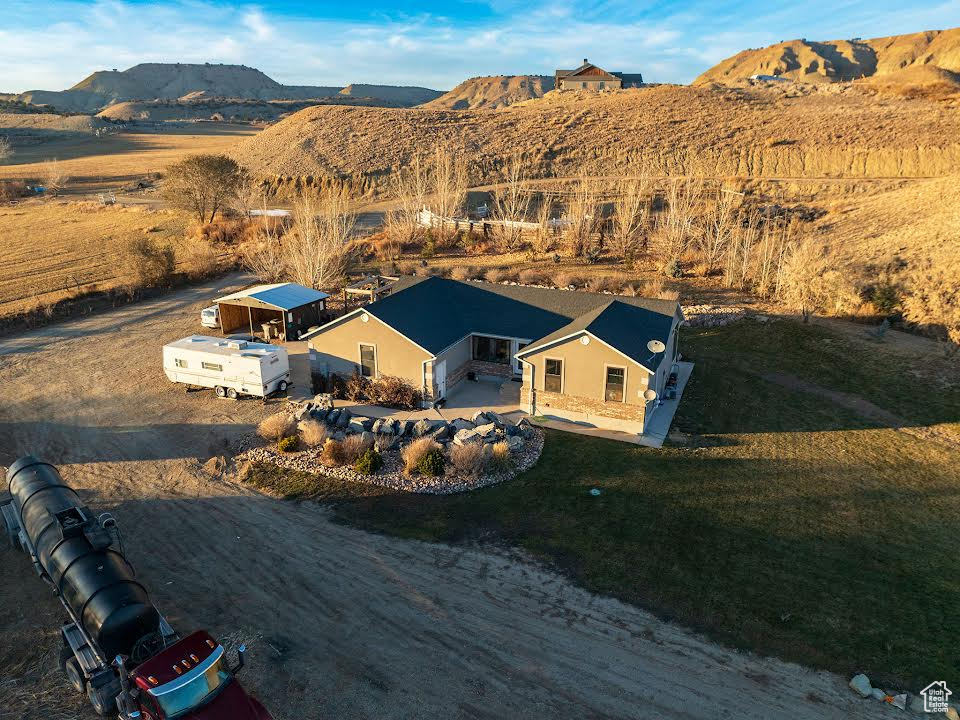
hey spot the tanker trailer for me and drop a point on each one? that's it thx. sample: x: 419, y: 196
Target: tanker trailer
x: 117, y: 647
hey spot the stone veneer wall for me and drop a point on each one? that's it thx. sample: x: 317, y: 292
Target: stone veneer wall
x: 612, y: 415
x: 480, y: 368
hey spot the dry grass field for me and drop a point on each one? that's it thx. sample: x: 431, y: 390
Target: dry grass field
x: 106, y: 163
x: 56, y: 249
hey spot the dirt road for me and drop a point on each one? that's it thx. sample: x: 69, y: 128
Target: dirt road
x: 340, y: 623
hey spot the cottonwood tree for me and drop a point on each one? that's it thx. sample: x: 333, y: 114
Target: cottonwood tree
x: 315, y: 251
x: 631, y: 208
x: 448, y: 185
x: 264, y: 256
x: 543, y: 239
x: 204, y: 184
x: 676, y: 225
x: 54, y: 178
x: 409, y: 188
x: 582, y: 211
x: 511, y: 203
x: 720, y: 224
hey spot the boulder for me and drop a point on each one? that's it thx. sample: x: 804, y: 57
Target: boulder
x: 378, y: 426
x: 486, y: 431
x: 302, y: 412
x: 440, y: 432
x: 497, y: 420
x: 324, y: 401
x: 344, y: 418
x: 515, y: 442
x: 513, y: 430
x: 359, y: 424
x: 526, y: 428
x: 465, y: 436
x: 860, y: 684
x: 461, y: 424
x: 427, y: 427
x: 368, y: 438
x: 480, y: 418
x: 404, y: 427
x: 333, y: 416
x: 319, y: 414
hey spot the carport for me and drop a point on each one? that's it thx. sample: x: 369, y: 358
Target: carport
x: 276, y: 312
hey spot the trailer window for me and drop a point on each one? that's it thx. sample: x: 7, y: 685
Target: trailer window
x: 180, y: 363
x: 368, y: 360
x: 212, y: 366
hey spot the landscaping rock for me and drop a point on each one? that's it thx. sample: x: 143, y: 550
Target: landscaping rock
x: 440, y: 433
x: 319, y: 414
x: 878, y: 694
x: 860, y: 684
x: 324, y: 401
x: 515, y: 442
x: 526, y: 428
x: 465, y: 436
x: 301, y: 413
x: 513, y: 430
x: 378, y: 426
x: 344, y: 418
x: 486, y: 431
x: 359, y: 424
x: 404, y: 427
x: 422, y: 427
x: 461, y: 424
x: 333, y: 416
x: 497, y: 420
x: 368, y: 437
x: 480, y: 418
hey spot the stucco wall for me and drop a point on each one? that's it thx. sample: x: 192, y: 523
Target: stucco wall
x: 338, y: 349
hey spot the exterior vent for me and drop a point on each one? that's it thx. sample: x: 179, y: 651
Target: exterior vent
x: 237, y: 344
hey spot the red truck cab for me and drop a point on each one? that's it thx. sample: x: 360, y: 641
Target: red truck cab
x: 191, y: 680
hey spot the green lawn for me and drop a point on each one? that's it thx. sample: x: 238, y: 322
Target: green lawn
x: 790, y: 525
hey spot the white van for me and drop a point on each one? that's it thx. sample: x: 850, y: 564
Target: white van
x: 210, y: 316
x: 231, y: 367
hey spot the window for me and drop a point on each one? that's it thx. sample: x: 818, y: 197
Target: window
x: 212, y: 366
x: 490, y: 349
x: 602, y: 84
x: 368, y: 361
x: 553, y: 375
x: 180, y: 363
x: 614, y: 386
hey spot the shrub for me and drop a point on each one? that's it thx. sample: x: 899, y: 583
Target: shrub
x: 277, y: 426
x: 387, y: 248
x: 199, y: 258
x: 313, y: 433
x: 369, y: 462
x: 394, y: 392
x: 407, y: 268
x: 288, y: 444
x: 933, y: 303
x: 463, y: 272
x: 357, y: 388
x: 332, y: 455
x: 354, y: 446
x: 413, y: 453
x: 144, y: 263
x: 499, y: 459
x: 569, y: 279
x: 432, y: 463
x: 13, y: 190
x: 673, y: 269
x: 495, y: 275
x: 467, y: 460
x: 885, y: 297
x: 602, y: 283
x: 531, y: 277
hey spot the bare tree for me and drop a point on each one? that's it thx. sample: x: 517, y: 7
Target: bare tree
x: 54, y: 178
x: 204, y: 184
x: 410, y: 188
x: 6, y: 149
x: 676, y: 225
x: 510, y: 205
x: 721, y: 222
x: 448, y: 184
x: 543, y: 239
x: 582, y: 216
x: 630, y: 213
x: 264, y: 255
x: 316, y: 250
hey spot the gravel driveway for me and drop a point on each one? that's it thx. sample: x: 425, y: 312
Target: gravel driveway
x: 340, y: 623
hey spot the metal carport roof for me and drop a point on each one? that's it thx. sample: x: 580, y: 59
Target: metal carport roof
x: 282, y: 296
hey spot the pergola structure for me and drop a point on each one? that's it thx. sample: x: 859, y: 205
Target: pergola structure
x: 282, y: 311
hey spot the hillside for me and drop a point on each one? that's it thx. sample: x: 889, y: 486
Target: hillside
x: 161, y: 81
x: 666, y: 129
x: 34, y: 127
x: 399, y: 95
x: 493, y: 92
x: 840, y: 60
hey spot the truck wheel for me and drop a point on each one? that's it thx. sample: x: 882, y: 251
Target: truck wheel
x: 74, y: 674
x: 220, y: 391
x: 282, y: 386
x: 232, y: 393
x: 103, y: 701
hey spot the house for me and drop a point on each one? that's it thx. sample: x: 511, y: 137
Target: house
x: 580, y: 356
x: 593, y: 78
x: 282, y: 310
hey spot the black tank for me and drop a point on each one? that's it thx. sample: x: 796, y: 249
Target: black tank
x: 95, y: 581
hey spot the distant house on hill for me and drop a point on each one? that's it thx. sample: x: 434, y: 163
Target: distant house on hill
x: 593, y: 78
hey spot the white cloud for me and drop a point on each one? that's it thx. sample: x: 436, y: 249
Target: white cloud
x: 255, y: 21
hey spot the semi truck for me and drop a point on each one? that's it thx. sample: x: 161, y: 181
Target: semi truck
x: 231, y: 367
x: 116, y: 646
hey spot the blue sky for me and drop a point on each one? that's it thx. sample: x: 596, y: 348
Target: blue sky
x: 52, y: 44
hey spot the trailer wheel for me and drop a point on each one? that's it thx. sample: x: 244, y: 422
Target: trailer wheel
x: 232, y: 393
x: 282, y: 386
x: 74, y: 674
x: 220, y: 391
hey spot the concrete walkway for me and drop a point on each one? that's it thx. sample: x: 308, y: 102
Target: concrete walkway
x: 657, y: 430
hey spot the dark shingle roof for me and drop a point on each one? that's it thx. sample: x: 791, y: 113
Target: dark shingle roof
x: 437, y: 312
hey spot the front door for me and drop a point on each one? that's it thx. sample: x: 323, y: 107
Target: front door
x: 440, y: 378
x: 517, y: 364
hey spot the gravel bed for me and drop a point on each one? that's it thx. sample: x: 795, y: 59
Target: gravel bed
x: 391, y: 475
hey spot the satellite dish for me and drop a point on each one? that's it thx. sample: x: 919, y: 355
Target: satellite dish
x: 651, y: 394
x: 655, y: 346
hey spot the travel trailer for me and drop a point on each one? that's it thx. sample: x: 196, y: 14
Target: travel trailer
x: 231, y: 367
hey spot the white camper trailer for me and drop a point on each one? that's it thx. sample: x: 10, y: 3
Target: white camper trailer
x: 231, y: 367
